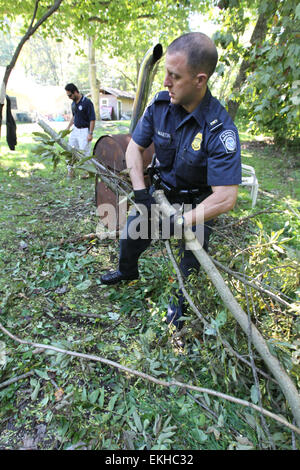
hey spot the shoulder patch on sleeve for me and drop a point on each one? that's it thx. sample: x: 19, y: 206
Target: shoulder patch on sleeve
x: 153, y: 100
x: 228, y: 139
x: 162, y: 96
x: 156, y: 97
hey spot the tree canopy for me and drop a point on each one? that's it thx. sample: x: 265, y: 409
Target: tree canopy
x: 267, y: 84
x: 258, y: 43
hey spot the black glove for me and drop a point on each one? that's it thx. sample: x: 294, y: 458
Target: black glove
x: 142, y: 196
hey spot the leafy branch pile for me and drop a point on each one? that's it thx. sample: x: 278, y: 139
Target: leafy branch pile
x: 48, y: 149
x: 51, y: 294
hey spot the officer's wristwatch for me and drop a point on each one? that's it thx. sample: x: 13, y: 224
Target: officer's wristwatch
x: 179, y: 220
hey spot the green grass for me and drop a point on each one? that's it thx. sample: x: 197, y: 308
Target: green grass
x: 51, y: 293
x: 278, y: 171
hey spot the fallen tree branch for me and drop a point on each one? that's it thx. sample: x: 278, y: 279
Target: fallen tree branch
x: 106, y: 175
x: 253, y: 366
x: 15, y: 379
x: 273, y: 196
x: 181, y: 285
x: 244, y: 219
x: 204, y: 321
x: 251, y: 284
x: 285, y: 383
x: 78, y: 238
x: 150, y: 378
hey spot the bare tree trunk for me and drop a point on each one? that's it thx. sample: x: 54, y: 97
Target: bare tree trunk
x: 30, y: 31
x: 93, y: 77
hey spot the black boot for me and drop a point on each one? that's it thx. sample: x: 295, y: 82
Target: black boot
x: 176, y: 310
x: 113, y: 277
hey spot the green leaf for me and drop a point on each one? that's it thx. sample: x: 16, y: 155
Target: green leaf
x: 185, y: 409
x: 146, y: 424
x: 199, y: 435
x: 45, y: 400
x: 210, y: 331
x: 64, y: 133
x: 221, y: 318
x: 233, y: 372
x: 254, y: 394
x: 159, y: 447
x: 207, y: 399
x: 41, y: 135
x: 165, y: 435
x: 2, y: 354
x: 84, y: 285
x: 112, y: 402
x: 87, y: 167
x: 101, y: 398
x: 137, y: 421
x: 42, y: 373
x: 93, y: 396
x: 35, y: 392
x: 84, y: 395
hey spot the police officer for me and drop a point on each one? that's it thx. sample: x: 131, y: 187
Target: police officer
x: 197, y: 156
x: 83, y: 120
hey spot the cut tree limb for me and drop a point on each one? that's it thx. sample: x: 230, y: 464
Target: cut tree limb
x: 201, y: 318
x: 113, y: 181
x: 16, y: 379
x: 150, y: 378
x: 106, y: 177
x: 286, y: 384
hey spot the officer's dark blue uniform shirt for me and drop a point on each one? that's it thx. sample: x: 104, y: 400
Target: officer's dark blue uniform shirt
x: 193, y: 150
x: 83, y: 112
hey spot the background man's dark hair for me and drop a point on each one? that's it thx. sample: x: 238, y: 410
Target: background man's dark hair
x: 202, y: 55
x: 71, y: 87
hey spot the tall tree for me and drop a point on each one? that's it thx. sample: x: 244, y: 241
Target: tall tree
x: 258, y: 36
x: 111, y: 23
x: 128, y: 29
x: 93, y: 77
x: 39, y: 13
x: 267, y: 82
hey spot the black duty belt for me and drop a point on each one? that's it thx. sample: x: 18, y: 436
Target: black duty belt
x: 171, y: 191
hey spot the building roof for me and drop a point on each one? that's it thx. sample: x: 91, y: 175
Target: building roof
x: 117, y: 92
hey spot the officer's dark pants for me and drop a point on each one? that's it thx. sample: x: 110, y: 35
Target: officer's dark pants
x: 131, y: 249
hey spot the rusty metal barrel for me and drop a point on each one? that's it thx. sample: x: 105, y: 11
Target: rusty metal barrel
x: 110, y: 150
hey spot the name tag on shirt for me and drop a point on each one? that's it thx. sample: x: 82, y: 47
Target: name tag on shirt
x: 165, y: 135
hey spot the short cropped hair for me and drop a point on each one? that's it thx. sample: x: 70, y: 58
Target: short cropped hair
x: 71, y: 87
x: 201, y: 52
